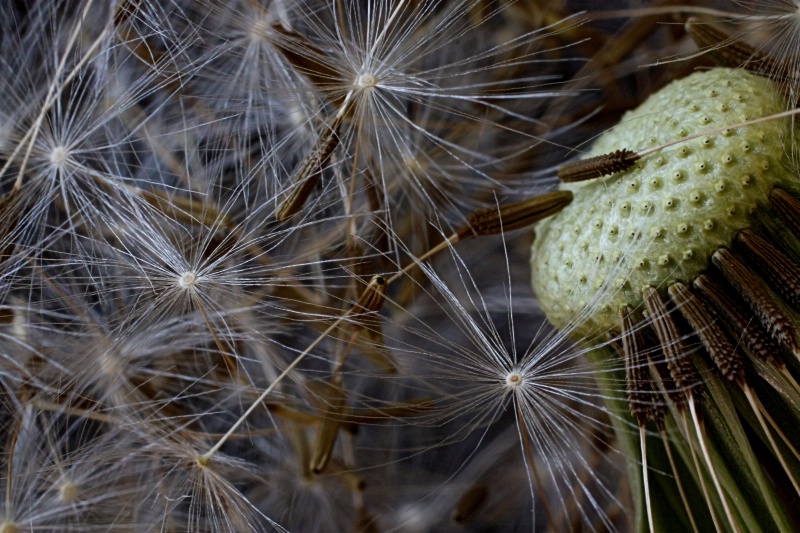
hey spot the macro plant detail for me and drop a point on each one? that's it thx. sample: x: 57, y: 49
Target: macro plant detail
x: 661, y: 221
x: 700, y: 217
x: 265, y: 265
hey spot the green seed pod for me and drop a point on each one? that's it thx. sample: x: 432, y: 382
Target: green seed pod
x: 660, y: 221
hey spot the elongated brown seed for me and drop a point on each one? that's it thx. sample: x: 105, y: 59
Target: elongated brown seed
x: 728, y: 51
x: 787, y: 207
x: 675, y: 394
x: 598, y: 166
x: 677, y: 356
x: 307, y: 176
x: 739, y: 318
x: 778, y: 269
x: 373, y: 296
x: 329, y: 430
x: 368, y: 319
x: 493, y: 220
x: 641, y: 392
x: 723, y: 353
x: 768, y: 311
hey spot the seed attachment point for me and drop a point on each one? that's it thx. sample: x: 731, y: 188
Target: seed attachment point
x: 188, y: 280
x: 514, y: 379
x: 366, y: 80
x: 58, y: 156
x: 68, y: 491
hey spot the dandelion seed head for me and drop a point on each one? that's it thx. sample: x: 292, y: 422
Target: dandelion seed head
x: 164, y: 134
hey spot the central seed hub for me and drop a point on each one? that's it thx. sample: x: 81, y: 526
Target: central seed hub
x: 514, y: 379
x: 366, y: 80
x: 58, y: 156
x: 187, y: 280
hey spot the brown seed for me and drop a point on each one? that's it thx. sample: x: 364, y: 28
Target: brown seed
x: 788, y: 209
x: 738, y: 317
x: 778, y: 269
x: 368, y: 320
x: 307, y: 176
x: 727, y: 360
x: 641, y: 391
x: 328, y: 432
x: 598, y: 166
x: 727, y: 51
x: 768, y: 311
x: 493, y: 220
x: 372, y: 298
x: 680, y: 365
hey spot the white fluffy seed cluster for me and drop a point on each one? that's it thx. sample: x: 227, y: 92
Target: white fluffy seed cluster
x: 660, y: 221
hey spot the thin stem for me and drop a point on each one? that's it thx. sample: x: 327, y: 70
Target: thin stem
x: 701, y: 437
x: 784, y: 114
x: 700, y: 476
x: 454, y: 238
x: 369, y: 301
x: 757, y: 410
x: 674, y: 467
x: 531, y: 460
x: 645, y: 477
x: 206, y: 457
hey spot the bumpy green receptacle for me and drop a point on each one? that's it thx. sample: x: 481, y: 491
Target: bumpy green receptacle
x: 660, y: 221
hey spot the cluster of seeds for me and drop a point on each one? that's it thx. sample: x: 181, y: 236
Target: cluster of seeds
x: 685, y: 260
x: 660, y: 221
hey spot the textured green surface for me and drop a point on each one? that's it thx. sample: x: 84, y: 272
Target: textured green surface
x: 660, y: 221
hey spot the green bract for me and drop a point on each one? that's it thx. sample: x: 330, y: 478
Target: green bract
x: 660, y: 221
